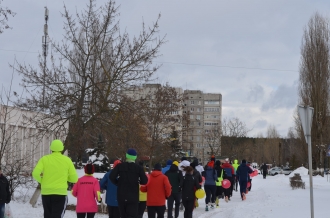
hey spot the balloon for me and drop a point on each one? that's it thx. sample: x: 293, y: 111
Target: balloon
x: 225, y: 183
x: 248, y: 185
x: 200, y: 193
x: 256, y: 173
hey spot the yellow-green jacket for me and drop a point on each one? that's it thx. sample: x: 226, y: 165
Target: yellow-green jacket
x: 57, y: 170
x: 235, y: 165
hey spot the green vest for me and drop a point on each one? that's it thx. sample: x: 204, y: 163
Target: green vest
x: 219, y: 182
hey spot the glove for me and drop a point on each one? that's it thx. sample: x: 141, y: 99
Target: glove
x: 100, y: 201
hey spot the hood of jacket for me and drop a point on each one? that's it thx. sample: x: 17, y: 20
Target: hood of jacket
x: 227, y: 165
x: 235, y: 161
x: 174, y: 168
x: 156, y: 173
x: 217, y: 163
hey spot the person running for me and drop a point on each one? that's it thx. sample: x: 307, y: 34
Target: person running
x: 175, y: 177
x: 210, y: 187
x: 189, y: 186
x: 235, y: 165
x: 128, y: 176
x: 230, y: 172
x: 243, y: 172
x: 142, y: 196
x: 111, y: 193
x: 264, y: 169
x: 197, y: 176
x: 168, y: 166
x: 158, y: 190
x: 5, y: 195
x: 87, y: 192
x: 221, y: 173
x: 53, y: 172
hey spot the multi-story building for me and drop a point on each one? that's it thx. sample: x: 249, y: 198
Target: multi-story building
x: 202, y: 126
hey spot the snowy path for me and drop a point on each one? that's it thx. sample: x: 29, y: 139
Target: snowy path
x: 269, y: 198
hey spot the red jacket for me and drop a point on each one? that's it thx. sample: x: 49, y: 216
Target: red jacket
x: 158, y: 189
x: 228, y: 166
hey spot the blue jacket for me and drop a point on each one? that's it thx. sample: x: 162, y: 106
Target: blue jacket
x: 165, y: 169
x: 210, y: 176
x: 243, y: 172
x: 111, y: 195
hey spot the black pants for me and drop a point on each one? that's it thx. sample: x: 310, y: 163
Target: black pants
x: 159, y: 210
x: 142, y: 208
x: 83, y: 215
x: 113, y: 212
x: 128, y: 209
x: 264, y: 173
x: 54, y: 205
x: 174, y: 197
x: 219, y: 192
x: 236, y: 182
x: 210, y: 193
x: 231, y: 188
x: 242, y: 187
x: 188, y: 208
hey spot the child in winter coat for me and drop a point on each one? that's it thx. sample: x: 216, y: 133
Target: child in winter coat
x: 158, y: 190
x: 111, y: 194
x: 189, y: 185
x: 87, y: 191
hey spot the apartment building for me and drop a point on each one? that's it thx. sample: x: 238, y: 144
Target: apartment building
x: 203, y: 112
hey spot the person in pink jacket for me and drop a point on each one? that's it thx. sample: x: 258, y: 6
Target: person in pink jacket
x: 87, y: 192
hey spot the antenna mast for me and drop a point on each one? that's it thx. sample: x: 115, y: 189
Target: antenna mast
x: 45, y: 40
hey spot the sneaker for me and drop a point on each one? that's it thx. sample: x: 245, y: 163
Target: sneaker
x: 206, y: 208
x: 217, y: 206
x: 212, y: 206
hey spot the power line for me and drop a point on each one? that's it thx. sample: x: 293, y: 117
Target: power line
x: 190, y: 64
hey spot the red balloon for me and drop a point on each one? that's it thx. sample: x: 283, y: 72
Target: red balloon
x: 226, y: 183
x: 256, y: 173
x: 248, y: 185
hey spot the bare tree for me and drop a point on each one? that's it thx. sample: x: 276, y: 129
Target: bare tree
x: 96, y: 62
x: 235, y: 130
x: 5, y: 13
x: 272, y: 150
x: 212, y: 137
x: 314, y: 79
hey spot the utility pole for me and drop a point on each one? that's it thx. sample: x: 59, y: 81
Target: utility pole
x: 45, y: 41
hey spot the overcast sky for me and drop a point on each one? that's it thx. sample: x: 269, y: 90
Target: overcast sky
x: 247, y: 50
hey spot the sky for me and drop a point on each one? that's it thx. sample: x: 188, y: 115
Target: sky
x: 249, y: 51
x: 269, y: 198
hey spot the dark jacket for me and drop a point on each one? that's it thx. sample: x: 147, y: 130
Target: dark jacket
x: 189, y: 186
x: 175, y: 177
x: 264, y: 168
x: 130, y: 176
x: 220, y: 170
x: 210, y: 176
x: 5, y: 195
x: 243, y: 172
x: 111, y: 194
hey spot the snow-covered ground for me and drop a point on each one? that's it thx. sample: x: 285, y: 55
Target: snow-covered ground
x: 269, y: 198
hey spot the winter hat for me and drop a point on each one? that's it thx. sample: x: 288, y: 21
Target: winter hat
x: 194, y: 163
x: 169, y: 162
x: 244, y: 161
x: 56, y: 145
x: 158, y: 167
x: 217, y: 163
x: 210, y: 164
x: 131, y: 154
x: 227, y: 160
x: 176, y: 163
x: 89, y: 169
x: 116, y: 163
x: 212, y: 158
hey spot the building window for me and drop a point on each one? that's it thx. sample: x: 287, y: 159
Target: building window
x: 198, y: 109
x: 191, y: 116
x: 192, y: 109
x: 192, y: 137
x: 210, y: 124
x: 199, y: 131
x: 211, y: 109
x: 197, y: 138
x: 199, y: 102
x: 198, y: 117
x: 192, y: 102
x: 211, y: 102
